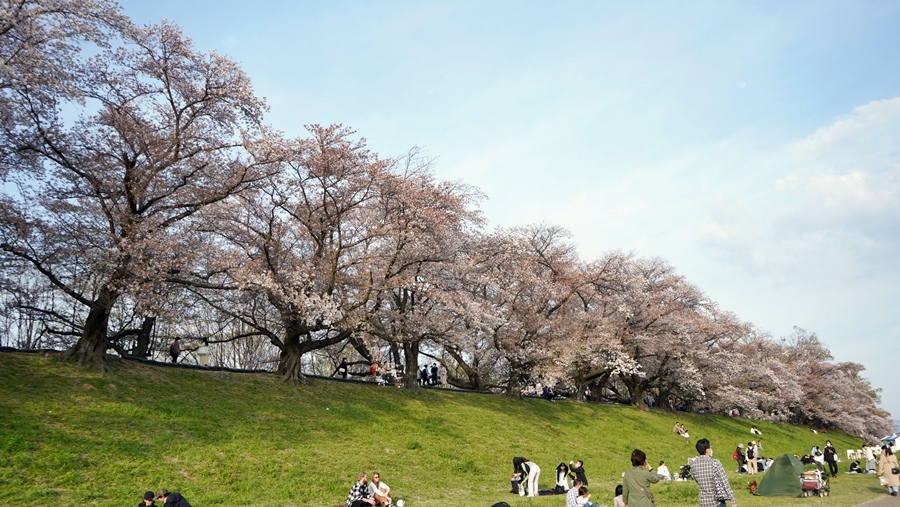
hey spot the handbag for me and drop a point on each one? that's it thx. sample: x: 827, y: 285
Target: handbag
x: 895, y: 471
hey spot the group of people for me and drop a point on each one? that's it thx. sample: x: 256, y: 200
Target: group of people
x: 708, y: 472
x: 714, y: 488
x: 750, y: 461
x: 525, y: 477
x: 825, y: 457
x: 681, y: 431
x: 712, y: 482
x: 429, y: 376
x: 886, y: 467
x: 168, y: 499
x: 365, y: 493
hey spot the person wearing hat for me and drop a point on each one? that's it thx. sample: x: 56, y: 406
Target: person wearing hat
x: 172, y: 499
x: 752, y: 456
x: 148, y: 499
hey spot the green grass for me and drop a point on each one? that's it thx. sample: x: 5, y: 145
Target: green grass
x: 76, y: 437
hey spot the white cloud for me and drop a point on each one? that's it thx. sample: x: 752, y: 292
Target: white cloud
x: 833, y: 212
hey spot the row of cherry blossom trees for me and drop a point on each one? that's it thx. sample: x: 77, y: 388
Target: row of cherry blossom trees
x: 145, y: 198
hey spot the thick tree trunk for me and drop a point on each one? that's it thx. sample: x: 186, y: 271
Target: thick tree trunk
x: 298, y: 341
x: 289, y: 365
x: 513, y: 385
x: 142, y: 348
x: 636, y: 392
x: 410, y: 364
x: 90, y: 350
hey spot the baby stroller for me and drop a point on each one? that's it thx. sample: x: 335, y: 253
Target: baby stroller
x: 684, y: 473
x: 815, y: 482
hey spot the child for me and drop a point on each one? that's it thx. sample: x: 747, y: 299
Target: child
x: 584, y: 499
x: 618, y: 501
x: 516, y: 483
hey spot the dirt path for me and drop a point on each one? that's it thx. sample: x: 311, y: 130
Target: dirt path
x: 885, y: 501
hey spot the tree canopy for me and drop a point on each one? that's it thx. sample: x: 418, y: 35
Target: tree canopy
x: 145, y: 198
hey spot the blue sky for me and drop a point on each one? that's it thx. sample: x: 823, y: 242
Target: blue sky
x: 753, y: 145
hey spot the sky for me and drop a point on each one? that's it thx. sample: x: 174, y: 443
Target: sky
x: 755, y: 146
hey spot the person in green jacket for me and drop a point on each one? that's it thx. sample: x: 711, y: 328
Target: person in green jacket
x: 637, y: 480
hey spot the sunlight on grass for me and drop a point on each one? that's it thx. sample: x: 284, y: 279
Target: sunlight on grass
x: 75, y: 437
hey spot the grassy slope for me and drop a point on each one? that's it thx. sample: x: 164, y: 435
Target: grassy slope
x: 71, y: 436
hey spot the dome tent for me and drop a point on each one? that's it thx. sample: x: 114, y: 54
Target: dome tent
x: 782, y: 478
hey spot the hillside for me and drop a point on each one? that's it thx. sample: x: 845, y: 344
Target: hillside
x: 70, y: 436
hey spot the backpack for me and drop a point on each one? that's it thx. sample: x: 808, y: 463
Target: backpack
x: 750, y: 453
x: 734, y: 455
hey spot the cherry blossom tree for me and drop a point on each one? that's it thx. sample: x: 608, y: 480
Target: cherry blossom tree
x: 105, y: 205
x: 300, y: 245
x: 413, y: 286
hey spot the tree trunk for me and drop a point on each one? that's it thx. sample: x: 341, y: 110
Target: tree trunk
x: 513, y: 385
x: 473, y: 382
x: 298, y: 341
x: 289, y: 365
x: 410, y: 363
x: 91, y: 346
x: 636, y: 392
x: 142, y: 348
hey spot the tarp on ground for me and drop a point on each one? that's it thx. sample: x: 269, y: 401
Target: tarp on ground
x: 782, y: 478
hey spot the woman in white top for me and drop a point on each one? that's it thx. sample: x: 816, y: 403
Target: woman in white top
x: 663, y: 470
x: 380, y: 490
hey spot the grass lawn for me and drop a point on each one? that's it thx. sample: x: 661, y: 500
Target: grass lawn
x: 76, y: 437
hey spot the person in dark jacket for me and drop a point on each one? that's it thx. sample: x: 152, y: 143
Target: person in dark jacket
x: 175, y: 349
x: 831, y: 458
x: 148, y: 500
x: 576, y: 469
x: 172, y: 499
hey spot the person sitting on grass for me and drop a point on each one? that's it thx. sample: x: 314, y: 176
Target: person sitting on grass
x: 572, y: 494
x: 584, y: 498
x: 172, y: 499
x: 618, y: 501
x: 359, y: 494
x: 663, y: 470
x: 380, y: 490
x: 148, y: 500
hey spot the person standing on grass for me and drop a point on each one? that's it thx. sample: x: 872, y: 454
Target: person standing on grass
x: 636, y: 481
x: 830, y: 456
x: 342, y: 368
x: 175, y: 350
x: 532, y: 475
x: 752, y: 455
x: 871, y: 464
x: 712, y: 483
x: 172, y: 499
x: 359, y: 494
x: 886, y: 467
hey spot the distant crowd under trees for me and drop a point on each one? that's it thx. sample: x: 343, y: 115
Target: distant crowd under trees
x: 144, y: 198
